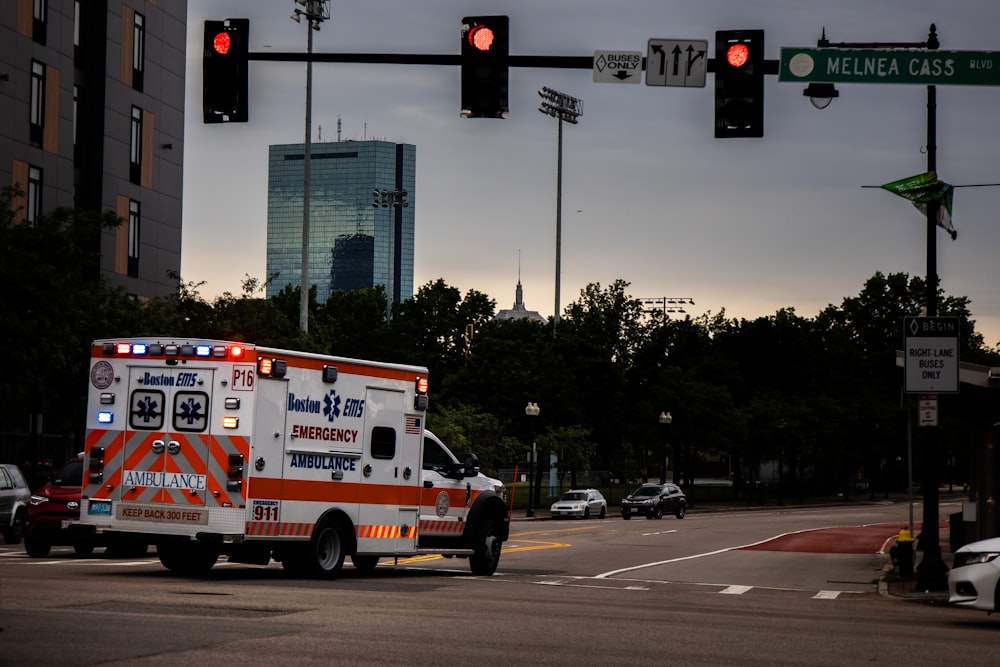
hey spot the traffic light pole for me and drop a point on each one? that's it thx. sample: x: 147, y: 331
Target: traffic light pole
x: 932, y: 572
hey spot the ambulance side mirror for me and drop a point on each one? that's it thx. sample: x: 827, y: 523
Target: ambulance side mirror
x: 471, y: 465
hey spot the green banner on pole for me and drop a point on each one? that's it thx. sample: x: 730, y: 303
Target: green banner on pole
x: 923, y: 189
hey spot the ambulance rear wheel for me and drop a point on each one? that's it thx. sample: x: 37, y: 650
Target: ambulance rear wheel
x: 187, y: 558
x: 364, y: 563
x: 36, y: 548
x: 326, y: 550
x: 487, y: 550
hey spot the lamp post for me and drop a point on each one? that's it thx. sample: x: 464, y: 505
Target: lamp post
x: 665, y: 420
x: 564, y: 108
x: 531, y: 410
x: 932, y: 570
x: 315, y: 12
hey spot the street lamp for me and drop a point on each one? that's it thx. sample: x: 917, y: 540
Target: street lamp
x: 821, y: 94
x: 665, y: 420
x: 531, y: 410
x: 932, y: 570
x: 564, y: 108
x: 315, y: 12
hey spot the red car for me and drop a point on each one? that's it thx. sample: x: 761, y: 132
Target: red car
x: 53, y: 507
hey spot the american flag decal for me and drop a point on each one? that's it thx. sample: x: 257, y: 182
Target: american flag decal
x: 413, y: 425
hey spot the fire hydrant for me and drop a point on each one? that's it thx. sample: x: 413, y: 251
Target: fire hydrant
x: 902, y: 553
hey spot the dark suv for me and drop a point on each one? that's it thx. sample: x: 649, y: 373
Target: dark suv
x: 655, y: 500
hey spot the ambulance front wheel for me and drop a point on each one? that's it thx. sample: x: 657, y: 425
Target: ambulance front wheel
x: 487, y: 550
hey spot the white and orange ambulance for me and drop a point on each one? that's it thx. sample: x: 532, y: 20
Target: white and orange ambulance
x: 207, y: 448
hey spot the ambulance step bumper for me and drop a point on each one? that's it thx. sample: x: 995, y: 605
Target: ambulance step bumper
x: 444, y: 552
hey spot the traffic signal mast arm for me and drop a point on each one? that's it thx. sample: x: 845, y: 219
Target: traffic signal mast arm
x: 549, y: 62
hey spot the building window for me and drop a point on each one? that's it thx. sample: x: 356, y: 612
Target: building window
x: 39, y: 18
x: 37, y: 111
x: 138, y: 50
x: 134, y: 220
x: 135, y: 154
x: 77, y: 34
x: 33, y: 207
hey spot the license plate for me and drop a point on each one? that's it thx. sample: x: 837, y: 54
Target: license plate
x: 99, y: 507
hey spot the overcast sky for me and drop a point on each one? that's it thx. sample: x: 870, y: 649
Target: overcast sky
x: 649, y: 195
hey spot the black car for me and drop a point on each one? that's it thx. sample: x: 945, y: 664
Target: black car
x: 655, y: 500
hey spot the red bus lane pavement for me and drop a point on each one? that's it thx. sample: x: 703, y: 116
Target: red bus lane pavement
x: 868, y: 539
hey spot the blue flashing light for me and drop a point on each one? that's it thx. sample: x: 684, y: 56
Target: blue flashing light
x: 203, y: 350
x: 105, y: 417
x: 139, y: 349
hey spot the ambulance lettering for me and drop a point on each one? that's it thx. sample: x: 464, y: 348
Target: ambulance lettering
x: 164, y: 480
x: 324, y: 433
x: 322, y: 462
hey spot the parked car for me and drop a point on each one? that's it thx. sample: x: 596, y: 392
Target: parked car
x: 53, y: 507
x: 655, y: 500
x: 974, y: 579
x: 14, y: 495
x: 583, y: 503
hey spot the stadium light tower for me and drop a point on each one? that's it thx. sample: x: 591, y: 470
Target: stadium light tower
x: 564, y: 108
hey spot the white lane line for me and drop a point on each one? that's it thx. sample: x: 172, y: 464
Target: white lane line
x: 735, y: 590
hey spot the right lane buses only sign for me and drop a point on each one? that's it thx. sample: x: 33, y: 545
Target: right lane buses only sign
x: 931, y: 360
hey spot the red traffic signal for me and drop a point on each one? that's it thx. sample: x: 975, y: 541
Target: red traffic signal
x: 739, y: 83
x: 737, y: 55
x: 225, y: 71
x: 481, y: 37
x: 484, y: 58
x: 221, y: 43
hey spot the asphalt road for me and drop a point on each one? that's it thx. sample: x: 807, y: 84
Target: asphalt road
x: 715, y: 588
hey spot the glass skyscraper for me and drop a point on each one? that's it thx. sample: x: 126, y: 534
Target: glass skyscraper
x: 361, y: 222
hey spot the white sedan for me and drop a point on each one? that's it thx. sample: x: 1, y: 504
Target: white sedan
x: 583, y: 503
x: 974, y: 579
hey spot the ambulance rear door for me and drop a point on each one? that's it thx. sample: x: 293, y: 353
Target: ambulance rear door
x: 166, y: 448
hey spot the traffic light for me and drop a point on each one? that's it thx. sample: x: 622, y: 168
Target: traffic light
x: 224, y: 71
x: 484, y: 66
x: 739, y: 83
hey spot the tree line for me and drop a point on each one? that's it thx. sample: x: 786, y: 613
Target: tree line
x: 813, y: 405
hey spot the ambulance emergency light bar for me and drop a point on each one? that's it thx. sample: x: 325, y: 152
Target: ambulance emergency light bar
x: 174, y: 350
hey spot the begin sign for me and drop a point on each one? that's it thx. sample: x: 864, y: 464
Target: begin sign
x: 931, y: 356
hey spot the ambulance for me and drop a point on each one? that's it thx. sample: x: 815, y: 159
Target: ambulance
x: 208, y: 448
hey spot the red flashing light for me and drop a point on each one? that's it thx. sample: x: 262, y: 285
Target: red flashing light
x: 123, y: 348
x: 421, y: 385
x: 737, y: 55
x: 481, y: 37
x: 236, y: 352
x: 221, y: 43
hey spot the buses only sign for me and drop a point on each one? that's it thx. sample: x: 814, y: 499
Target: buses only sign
x: 931, y: 361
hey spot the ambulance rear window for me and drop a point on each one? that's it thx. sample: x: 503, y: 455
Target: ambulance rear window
x: 383, y: 442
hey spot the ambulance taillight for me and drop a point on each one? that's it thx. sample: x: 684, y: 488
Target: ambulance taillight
x: 272, y: 368
x: 95, y: 468
x: 234, y: 473
x: 420, y: 394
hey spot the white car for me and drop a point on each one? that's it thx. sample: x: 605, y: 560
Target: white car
x: 583, y: 503
x: 974, y: 579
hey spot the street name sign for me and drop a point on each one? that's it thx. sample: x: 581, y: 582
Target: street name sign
x: 617, y: 66
x: 931, y: 355
x: 677, y: 62
x: 922, y: 67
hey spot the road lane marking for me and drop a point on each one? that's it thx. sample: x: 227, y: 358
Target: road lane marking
x: 735, y: 590
x: 827, y: 595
